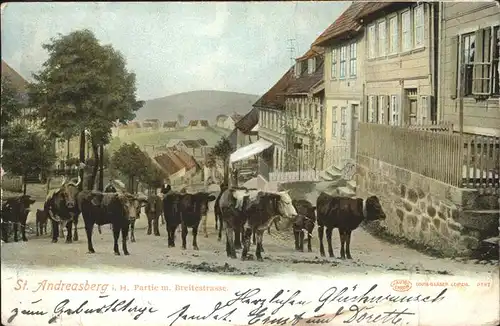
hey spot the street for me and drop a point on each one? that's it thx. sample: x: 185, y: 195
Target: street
x: 370, y: 255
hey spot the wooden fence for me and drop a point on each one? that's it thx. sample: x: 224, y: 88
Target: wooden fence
x: 462, y: 161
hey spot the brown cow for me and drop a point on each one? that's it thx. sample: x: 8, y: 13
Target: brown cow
x: 304, y: 223
x: 15, y: 212
x: 41, y: 222
x: 154, y: 209
x: 346, y: 214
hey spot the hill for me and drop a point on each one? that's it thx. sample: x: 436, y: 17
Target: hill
x: 197, y: 105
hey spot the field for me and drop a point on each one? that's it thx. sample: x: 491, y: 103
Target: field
x: 211, y: 135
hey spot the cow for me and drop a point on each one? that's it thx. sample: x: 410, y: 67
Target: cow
x: 61, y: 206
x: 164, y: 190
x: 116, y: 209
x: 109, y: 188
x: 154, y: 209
x: 346, y: 214
x: 252, y: 210
x: 187, y: 210
x: 41, y: 222
x: 304, y: 223
x: 217, y: 211
x: 15, y: 211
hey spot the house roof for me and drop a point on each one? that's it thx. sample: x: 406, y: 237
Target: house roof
x: 170, y: 124
x: 236, y: 117
x: 191, y: 143
x: 153, y: 120
x: 202, y: 142
x: 147, y: 124
x: 18, y: 82
x: 373, y: 10
x: 221, y: 117
x: 306, y: 81
x: 274, y: 98
x: 188, y: 161
x: 248, y: 121
x: 169, y: 162
x: 346, y: 23
x: 195, y: 123
x: 204, y: 123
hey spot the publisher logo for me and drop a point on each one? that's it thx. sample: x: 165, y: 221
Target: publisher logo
x: 401, y: 285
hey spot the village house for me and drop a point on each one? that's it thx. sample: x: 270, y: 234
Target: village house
x: 246, y: 130
x: 154, y: 124
x: 170, y: 125
x: 343, y: 43
x: 470, y: 41
x: 304, y: 116
x: 227, y: 122
x: 220, y: 120
x: 271, y: 132
x: 197, y: 124
x: 178, y: 165
x: 194, y: 148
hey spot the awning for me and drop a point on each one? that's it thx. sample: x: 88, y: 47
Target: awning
x: 249, y: 150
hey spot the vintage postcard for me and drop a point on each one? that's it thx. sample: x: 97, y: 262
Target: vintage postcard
x: 250, y: 163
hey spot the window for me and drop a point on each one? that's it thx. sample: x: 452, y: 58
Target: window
x: 406, y: 30
x: 334, y: 63
x: 353, y: 59
x: 343, y: 53
x: 479, y: 56
x: 311, y: 65
x: 394, y: 111
x: 382, y: 44
x: 394, y: 41
x: 297, y: 69
x: 371, y: 109
x: 343, y: 122
x: 371, y: 41
x: 418, y: 21
x: 381, y: 109
x: 334, y: 121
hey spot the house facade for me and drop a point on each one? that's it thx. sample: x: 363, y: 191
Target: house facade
x: 170, y: 125
x: 220, y: 120
x: 469, y: 43
x: 343, y: 43
x: 304, y: 116
x: 271, y: 107
x: 400, y: 63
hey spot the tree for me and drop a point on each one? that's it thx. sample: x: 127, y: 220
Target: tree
x: 11, y: 106
x: 83, y: 85
x: 27, y: 152
x: 132, y: 162
x: 223, y: 150
x: 154, y: 176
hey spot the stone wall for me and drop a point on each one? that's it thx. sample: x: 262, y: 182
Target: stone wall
x: 446, y: 218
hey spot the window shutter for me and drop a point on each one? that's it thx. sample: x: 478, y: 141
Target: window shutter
x: 455, y: 71
x: 387, y: 102
x: 375, y: 109
x: 399, y: 110
x: 481, y: 54
x: 429, y: 116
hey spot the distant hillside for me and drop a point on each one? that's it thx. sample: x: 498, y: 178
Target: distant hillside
x: 197, y: 105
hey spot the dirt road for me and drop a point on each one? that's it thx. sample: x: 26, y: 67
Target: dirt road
x: 151, y: 253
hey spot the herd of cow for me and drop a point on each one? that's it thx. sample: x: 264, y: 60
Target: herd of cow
x: 243, y: 213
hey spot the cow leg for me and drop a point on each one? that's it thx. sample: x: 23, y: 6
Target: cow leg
x: 259, y: 250
x: 150, y: 222
x: 348, y: 244
x: 309, y: 246
x: 320, y: 238
x: 61, y: 229
x: 269, y: 230
x: 44, y: 228
x: 69, y: 225
x: 55, y: 230
x: 38, y: 225
x: 23, y: 231
x: 296, y: 238
x: 116, y: 236
x: 124, y: 230
x: 132, y: 228
x: 171, y: 235
x: 204, y: 223
x: 155, y: 226
x: 89, y: 227
x: 75, y: 223
x: 16, y: 228
x: 247, y: 233
x: 230, y: 250
x: 220, y: 228
x: 162, y: 219
x: 195, y: 233
x: 329, y: 232
x: 99, y: 229
x: 184, y: 233
x: 342, y: 243
x: 237, y: 239
x: 301, y: 241
x: 254, y: 241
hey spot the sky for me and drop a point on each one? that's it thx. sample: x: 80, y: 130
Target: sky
x: 175, y: 47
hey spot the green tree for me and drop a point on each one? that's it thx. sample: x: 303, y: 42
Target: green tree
x: 83, y: 85
x: 131, y: 162
x: 27, y: 152
x: 154, y: 176
x: 223, y: 150
x: 11, y: 106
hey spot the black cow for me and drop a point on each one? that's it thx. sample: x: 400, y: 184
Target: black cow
x: 185, y: 209
x: 109, y: 189
x: 15, y: 212
x: 304, y: 223
x: 109, y: 208
x: 253, y: 211
x: 217, y: 211
x: 63, y: 210
x: 154, y: 209
x: 41, y: 222
x: 346, y: 214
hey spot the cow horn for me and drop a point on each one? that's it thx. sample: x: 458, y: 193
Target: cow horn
x: 79, y: 180
x: 63, y: 181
